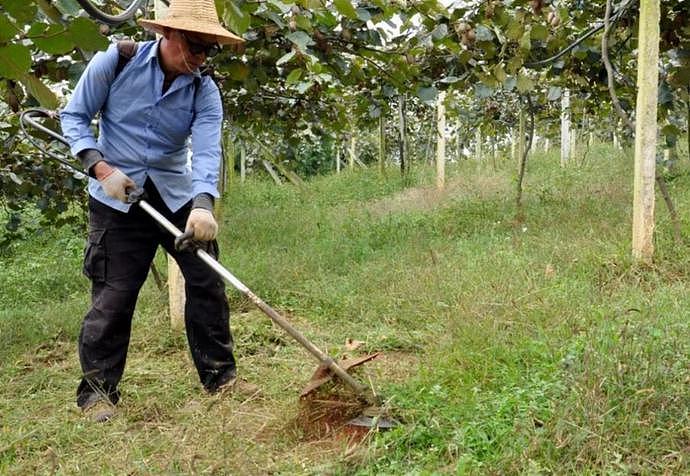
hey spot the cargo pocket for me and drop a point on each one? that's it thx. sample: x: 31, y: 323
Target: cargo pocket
x: 95, y: 256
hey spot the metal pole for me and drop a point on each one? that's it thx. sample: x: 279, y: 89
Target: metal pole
x: 323, y: 358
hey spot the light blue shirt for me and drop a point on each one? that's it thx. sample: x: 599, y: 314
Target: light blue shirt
x: 145, y: 132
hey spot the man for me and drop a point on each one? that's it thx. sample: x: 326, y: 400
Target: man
x: 149, y: 109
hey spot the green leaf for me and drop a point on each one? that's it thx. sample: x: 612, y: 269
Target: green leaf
x: 21, y: 10
x: 277, y: 19
x: 237, y: 20
x: 428, y: 94
x: 86, y: 35
x: 15, y: 61
x: 515, y: 31
x: 7, y: 29
x: 238, y: 70
x: 310, y: 4
x: 326, y: 18
x: 285, y: 58
x: 499, y: 73
x: 525, y: 41
x: 464, y: 57
x: 669, y: 130
x: 294, y: 76
x: 301, y: 39
x: 488, y: 80
x: 539, y: 32
x: 514, y: 64
x: 680, y: 77
x: 283, y: 7
x: 40, y: 91
x: 55, y: 40
x: 345, y: 8
x: 303, y: 22
x: 501, y: 17
x: 363, y: 14
x: 524, y: 83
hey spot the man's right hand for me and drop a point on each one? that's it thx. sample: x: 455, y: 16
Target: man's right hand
x: 115, y: 183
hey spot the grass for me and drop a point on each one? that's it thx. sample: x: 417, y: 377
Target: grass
x: 507, y: 349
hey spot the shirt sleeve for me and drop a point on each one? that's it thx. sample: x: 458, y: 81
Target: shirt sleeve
x: 206, y: 152
x: 88, y: 98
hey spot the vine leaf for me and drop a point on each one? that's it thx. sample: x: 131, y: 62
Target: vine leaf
x: 7, y: 29
x: 86, y: 35
x: 294, y: 76
x: 524, y: 83
x: 53, y: 39
x: 238, y: 70
x: 427, y: 95
x: 285, y: 58
x: 238, y: 20
x: 301, y: 39
x: 21, y: 10
x: 40, y: 91
x: 345, y: 8
x: 15, y: 61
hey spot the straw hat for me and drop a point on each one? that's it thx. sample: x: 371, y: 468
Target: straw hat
x: 198, y: 16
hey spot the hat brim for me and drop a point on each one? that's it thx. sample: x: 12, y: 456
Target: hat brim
x: 223, y: 36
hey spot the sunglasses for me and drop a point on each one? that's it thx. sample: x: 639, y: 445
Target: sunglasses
x: 196, y: 48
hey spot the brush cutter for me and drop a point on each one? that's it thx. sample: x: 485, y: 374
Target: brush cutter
x: 328, y: 367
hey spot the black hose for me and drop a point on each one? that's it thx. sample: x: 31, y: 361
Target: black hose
x: 27, y: 118
x: 113, y: 20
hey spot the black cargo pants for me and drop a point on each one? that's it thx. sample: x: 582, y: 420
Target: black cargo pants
x: 120, y: 249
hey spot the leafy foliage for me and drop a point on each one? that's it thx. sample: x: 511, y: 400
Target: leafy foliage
x: 37, y: 59
x: 314, y: 71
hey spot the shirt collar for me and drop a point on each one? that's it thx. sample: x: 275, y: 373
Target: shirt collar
x: 154, y: 54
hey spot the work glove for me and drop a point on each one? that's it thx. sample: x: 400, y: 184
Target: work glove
x: 115, y: 184
x: 202, y: 223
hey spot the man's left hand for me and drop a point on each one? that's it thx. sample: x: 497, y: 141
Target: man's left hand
x: 203, y: 224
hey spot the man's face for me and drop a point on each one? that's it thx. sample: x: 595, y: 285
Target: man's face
x: 189, y: 49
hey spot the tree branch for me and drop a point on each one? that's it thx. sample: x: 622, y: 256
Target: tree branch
x: 587, y: 34
x: 609, y: 69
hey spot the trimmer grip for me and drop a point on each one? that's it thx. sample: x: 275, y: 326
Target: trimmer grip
x: 185, y: 241
x: 135, y: 194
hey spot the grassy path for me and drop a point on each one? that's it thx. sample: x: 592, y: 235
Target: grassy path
x: 537, y: 348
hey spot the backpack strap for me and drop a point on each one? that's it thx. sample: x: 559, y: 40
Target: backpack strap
x: 126, y: 49
x: 210, y: 72
x: 207, y: 71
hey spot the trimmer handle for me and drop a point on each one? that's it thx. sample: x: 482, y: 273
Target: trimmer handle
x: 183, y: 241
x: 136, y: 194
x: 186, y: 241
